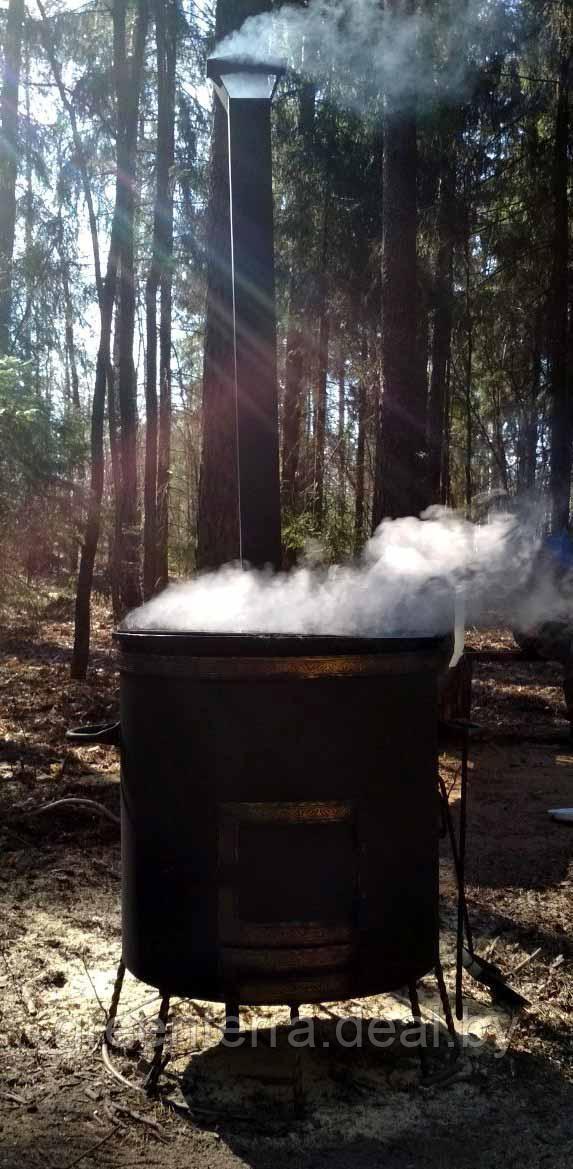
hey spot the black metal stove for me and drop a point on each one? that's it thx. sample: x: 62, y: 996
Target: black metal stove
x: 279, y: 814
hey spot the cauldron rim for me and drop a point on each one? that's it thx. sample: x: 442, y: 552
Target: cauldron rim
x: 199, y: 644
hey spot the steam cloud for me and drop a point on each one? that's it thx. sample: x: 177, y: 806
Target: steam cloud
x: 365, y: 50
x: 403, y: 585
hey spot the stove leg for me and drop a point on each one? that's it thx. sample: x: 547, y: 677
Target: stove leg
x: 113, y: 1006
x: 446, y: 1007
x: 297, y: 1075
x: 158, y: 1062
x: 417, y: 1016
x: 232, y: 1018
x: 298, y: 1086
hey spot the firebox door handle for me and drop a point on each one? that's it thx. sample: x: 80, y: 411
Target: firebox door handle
x: 109, y: 733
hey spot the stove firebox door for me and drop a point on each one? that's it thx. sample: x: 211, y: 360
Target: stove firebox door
x: 288, y: 875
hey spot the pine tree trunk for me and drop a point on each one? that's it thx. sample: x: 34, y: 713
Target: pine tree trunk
x: 359, y: 524
x: 115, y: 458
x: 561, y: 422
x: 29, y: 217
x: 297, y: 341
x: 155, y: 495
x: 399, y: 465
x: 167, y: 138
x: 128, y: 84
x: 442, y: 333
x: 81, y: 649
x: 322, y: 371
x: 445, y: 492
x: 151, y: 413
x: 341, y: 436
x: 532, y: 418
x: 468, y: 380
x: 218, y: 513
x: 9, y: 160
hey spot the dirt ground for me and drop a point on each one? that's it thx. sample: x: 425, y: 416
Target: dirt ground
x: 510, y: 1102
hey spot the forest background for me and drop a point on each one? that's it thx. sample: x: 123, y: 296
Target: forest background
x: 424, y: 289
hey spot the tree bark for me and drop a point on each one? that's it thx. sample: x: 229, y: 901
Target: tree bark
x: 442, y: 332
x: 297, y: 341
x: 341, y: 435
x: 155, y: 495
x: 399, y: 463
x: 128, y: 75
x: 322, y: 371
x: 9, y: 160
x: 445, y: 492
x: 115, y: 458
x: 561, y: 422
x: 359, y: 525
x: 80, y: 654
x: 167, y: 121
x: 218, y: 513
x: 532, y: 419
x: 81, y: 650
x: 468, y: 376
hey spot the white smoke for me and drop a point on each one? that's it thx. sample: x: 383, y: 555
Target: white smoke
x: 365, y: 50
x: 402, y: 586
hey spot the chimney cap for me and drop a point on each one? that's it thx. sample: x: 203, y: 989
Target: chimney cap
x: 218, y: 65
x: 246, y: 67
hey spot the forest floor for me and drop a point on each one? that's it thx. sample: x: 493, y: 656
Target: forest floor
x: 511, y: 1100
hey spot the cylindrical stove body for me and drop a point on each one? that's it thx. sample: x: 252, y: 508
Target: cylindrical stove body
x: 279, y: 813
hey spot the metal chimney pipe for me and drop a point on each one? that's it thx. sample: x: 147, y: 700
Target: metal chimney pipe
x: 246, y: 92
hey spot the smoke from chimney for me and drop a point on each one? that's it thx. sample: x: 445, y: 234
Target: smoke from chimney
x: 363, y: 50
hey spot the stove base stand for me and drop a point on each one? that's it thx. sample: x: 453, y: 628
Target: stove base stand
x: 159, y: 1060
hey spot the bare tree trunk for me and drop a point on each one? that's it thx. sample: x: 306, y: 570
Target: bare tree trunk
x: 399, y: 465
x: 561, y: 422
x: 218, y: 514
x: 151, y: 413
x: 468, y: 380
x: 167, y: 121
x: 9, y: 160
x: 28, y: 204
x: 528, y: 426
x: 322, y: 371
x: 128, y: 82
x: 297, y: 342
x: 155, y: 499
x: 359, y: 525
x: 445, y: 492
x: 80, y: 654
x: 442, y: 334
x: 532, y: 421
x: 341, y: 436
x: 115, y: 457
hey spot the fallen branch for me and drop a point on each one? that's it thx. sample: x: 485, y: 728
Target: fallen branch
x: 14, y: 1098
x: 92, y: 805
x: 122, y: 1110
x: 524, y: 962
x: 91, y: 1150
